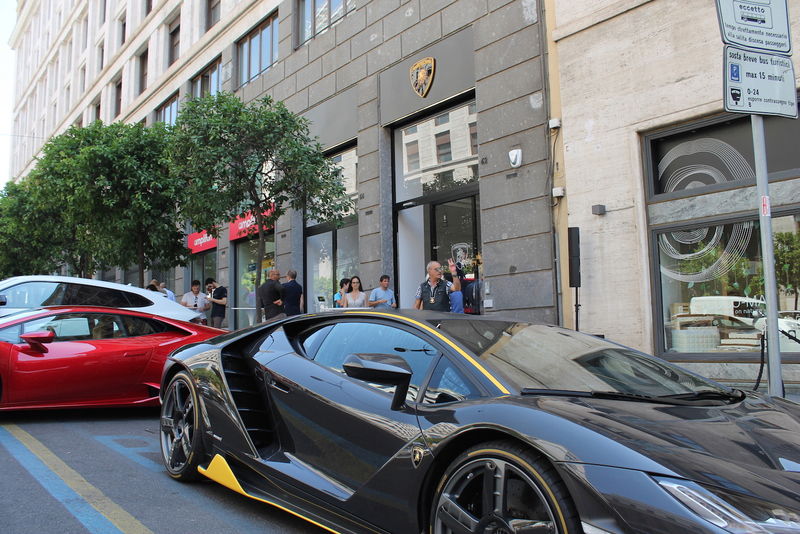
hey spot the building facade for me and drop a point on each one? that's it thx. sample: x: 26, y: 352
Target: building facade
x: 435, y: 110
x: 661, y: 183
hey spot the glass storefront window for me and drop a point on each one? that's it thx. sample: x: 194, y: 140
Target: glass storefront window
x: 436, y: 154
x: 712, y: 286
x: 204, y: 265
x: 244, y: 297
x: 438, y: 207
x: 319, y: 262
x: 332, y: 253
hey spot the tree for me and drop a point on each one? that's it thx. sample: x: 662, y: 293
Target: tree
x: 256, y: 158
x: 787, y: 263
x: 25, y: 245
x: 113, y: 199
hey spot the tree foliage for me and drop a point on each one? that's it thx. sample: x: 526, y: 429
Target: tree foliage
x: 256, y: 158
x: 25, y: 243
x: 109, y: 198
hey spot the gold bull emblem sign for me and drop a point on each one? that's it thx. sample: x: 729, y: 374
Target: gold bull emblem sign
x: 422, y: 75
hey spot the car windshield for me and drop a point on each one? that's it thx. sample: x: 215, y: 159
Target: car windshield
x: 541, y: 357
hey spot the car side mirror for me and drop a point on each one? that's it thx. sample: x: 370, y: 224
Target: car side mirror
x: 384, y: 369
x: 3, y: 300
x: 36, y: 340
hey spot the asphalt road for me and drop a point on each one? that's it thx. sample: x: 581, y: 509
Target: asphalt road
x: 99, y: 471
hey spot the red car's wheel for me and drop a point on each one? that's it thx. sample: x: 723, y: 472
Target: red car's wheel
x: 181, y: 440
x: 501, y: 487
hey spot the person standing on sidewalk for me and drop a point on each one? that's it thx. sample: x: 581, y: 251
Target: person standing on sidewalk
x: 270, y: 296
x: 382, y: 297
x: 218, y: 299
x: 434, y: 293
x: 292, y: 295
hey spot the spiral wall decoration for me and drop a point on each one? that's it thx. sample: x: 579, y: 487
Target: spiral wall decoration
x: 703, y: 241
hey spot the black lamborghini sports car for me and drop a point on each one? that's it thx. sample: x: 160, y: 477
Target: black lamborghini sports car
x: 421, y: 422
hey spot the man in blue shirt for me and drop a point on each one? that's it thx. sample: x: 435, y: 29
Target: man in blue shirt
x: 382, y: 297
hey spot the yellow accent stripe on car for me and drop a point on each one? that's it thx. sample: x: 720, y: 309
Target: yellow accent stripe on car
x: 532, y: 471
x: 219, y: 471
x: 117, y: 515
x: 441, y: 336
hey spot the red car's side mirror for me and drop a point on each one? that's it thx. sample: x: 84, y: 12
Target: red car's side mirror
x: 36, y: 340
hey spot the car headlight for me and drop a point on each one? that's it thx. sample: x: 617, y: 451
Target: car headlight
x: 734, y: 513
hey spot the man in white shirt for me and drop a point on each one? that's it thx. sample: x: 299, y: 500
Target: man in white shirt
x: 195, y: 299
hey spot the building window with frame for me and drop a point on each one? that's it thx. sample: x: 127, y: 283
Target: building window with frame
x: 212, y: 13
x: 101, y: 53
x: 123, y: 28
x: 208, y: 82
x: 315, y: 16
x: 174, y: 49
x: 443, y: 149
x: 118, y: 98
x: 144, y: 57
x: 709, y: 299
x: 332, y: 251
x: 258, y: 50
x: 168, y: 111
x: 712, y: 286
x: 148, y: 7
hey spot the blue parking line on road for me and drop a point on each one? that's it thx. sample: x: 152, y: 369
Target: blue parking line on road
x: 133, y: 453
x: 188, y: 492
x: 94, y: 521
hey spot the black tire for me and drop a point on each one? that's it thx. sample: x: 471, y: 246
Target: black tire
x: 181, y: 438
x: 524, y: 494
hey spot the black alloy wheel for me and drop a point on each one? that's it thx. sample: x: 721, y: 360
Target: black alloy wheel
x: 502, y: 488
x: 181, y: 440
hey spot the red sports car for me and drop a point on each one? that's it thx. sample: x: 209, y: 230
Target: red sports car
x: 70, y: 356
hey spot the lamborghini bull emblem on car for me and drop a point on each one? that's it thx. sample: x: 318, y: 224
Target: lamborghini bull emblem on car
x: 422, y: 75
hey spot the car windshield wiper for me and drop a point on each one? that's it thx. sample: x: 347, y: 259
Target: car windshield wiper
x: 707, y: 394
x: 614, y: 395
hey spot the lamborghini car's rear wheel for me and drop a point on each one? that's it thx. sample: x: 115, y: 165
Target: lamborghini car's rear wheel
x: 501, y: 488
x: 181, y: 442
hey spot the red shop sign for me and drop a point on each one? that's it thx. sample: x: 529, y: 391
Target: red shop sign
x: 201, y: 241
x: 240, y: 226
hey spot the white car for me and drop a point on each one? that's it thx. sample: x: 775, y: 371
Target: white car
x: 23, y: 292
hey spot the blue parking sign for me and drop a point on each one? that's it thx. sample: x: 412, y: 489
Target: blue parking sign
x: 735, y: 72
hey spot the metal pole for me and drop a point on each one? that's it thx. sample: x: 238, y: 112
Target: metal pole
x: 775, y: 381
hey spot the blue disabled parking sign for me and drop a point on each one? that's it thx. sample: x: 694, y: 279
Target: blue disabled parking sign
x: 735, y: 72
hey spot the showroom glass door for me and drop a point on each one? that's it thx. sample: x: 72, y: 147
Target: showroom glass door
x: 456, y: 233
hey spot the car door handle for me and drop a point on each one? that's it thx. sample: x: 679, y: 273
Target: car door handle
x: 280, y: 386
x: 134, y: 354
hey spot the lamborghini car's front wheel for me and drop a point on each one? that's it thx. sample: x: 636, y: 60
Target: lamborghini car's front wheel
x: 181, y: 442
x: 501, y: 487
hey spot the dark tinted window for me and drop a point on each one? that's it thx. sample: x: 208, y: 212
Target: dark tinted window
x: 313, y: 341
x: 141, y: 326
x: 85, y: 295
x: 370, y: 338
x: 34, y: 294
x: 448, y: 384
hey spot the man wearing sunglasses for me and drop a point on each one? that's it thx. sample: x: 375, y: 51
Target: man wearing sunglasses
x: 434, y: 293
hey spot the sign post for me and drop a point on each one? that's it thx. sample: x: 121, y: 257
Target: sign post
x: 759, y: 80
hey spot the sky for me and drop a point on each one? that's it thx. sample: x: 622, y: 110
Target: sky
x: 8, y: 16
